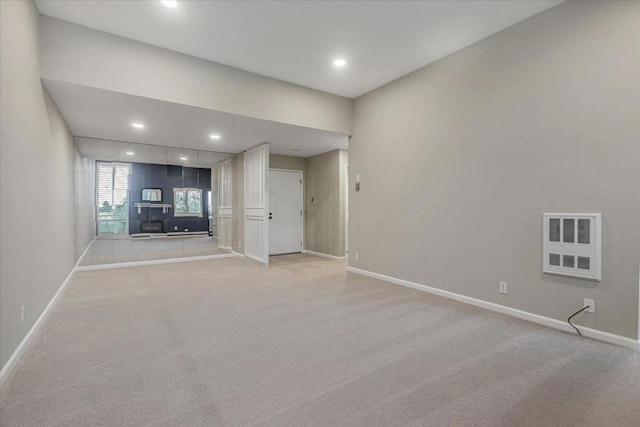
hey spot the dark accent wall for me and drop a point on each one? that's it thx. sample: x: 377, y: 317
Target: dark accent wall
x: 167, y: 177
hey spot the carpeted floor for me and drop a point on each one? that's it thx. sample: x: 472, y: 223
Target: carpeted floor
x: 303, y: 342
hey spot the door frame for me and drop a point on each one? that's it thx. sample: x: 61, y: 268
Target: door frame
x: 256, y: 191
x: 302, y: 198
x: 346, y: 211
x: 224, y: 216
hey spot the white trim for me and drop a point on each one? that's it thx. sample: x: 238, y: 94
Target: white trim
x: 535, y: 318
x: 84, y: 253
x: 153, y: 262
x: 254, y: 261
x: 346, y: 211
x: 320, y: 254
x: 17, y: 353
x: 303, y: 240
x: 286, y: 170
x: 256, y: 175
x: 224, y: 216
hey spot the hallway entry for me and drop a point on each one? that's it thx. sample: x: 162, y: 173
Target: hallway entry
x: 285, y: 211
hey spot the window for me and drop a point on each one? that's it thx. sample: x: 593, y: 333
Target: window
x: 112, y: 193
x: 187, y: 202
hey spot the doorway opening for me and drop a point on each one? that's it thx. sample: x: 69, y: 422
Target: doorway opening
x: 286, y: 213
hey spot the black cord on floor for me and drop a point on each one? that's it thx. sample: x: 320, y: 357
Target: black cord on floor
x: 571, y: 317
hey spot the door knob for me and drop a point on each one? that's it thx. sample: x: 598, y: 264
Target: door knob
x: 270, y: 215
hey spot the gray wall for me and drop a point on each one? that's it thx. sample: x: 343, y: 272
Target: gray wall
x: 277, y: 161
x: 36, y: 181
x: 458, y: 160
x: 80, y: 55
x: 324, y: 222
x: 84, y: 208
x: 325, y: 217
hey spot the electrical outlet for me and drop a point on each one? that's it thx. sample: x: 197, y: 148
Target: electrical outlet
x: 502, y: 288
x: 592, y: 305
x: 22, y: 314
x: 357, y: 256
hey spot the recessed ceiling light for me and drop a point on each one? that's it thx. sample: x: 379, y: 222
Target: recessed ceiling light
x: 214, y: 136
x: 169, y: 3
x: 340, y: 62
x: 183, y: 158
x: 138, y: 125
x: 130, y: 153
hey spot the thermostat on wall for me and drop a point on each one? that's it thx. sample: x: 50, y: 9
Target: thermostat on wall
x: 572, y: 244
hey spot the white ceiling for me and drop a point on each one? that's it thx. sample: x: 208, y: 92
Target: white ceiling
x: 102, y: 114
x: 296, y: 41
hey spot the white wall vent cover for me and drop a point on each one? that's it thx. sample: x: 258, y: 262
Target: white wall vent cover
x: 572, y: 244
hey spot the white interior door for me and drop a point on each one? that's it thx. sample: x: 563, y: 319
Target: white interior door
x: 256, y: 203
x: 225, y: 217
x: 285, y: 211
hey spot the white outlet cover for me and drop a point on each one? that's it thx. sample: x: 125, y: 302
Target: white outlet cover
x: 592, y: 305
x: 503, y: 287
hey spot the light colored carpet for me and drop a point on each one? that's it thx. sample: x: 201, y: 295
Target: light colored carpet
x: 303, y: 342
x: 113, y: 251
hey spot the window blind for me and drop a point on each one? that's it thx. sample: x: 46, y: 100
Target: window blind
x: 112, y: 195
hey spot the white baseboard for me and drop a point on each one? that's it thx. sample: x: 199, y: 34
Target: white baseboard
x: 7, y: 369
x: 255, y: 260
x: 541, y: 320
x: 320, y: 254
x: 84, y: 252
x: 153, y: 262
